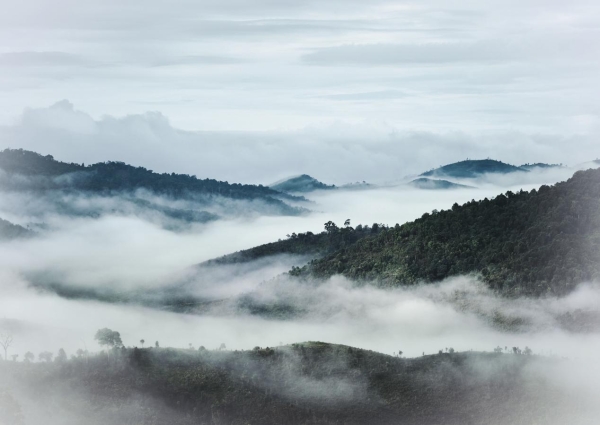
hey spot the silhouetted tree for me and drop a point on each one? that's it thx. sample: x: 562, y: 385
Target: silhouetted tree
x: 109, y: 338
x: 61, y: 357
x: 28, y: 357
x: 142, y: 342
x: 6, y: 340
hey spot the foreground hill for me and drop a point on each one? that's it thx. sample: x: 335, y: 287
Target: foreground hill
x: 301, y: 184
x: 470, y: 169
x: 543, y: 241
x: 309, y: 383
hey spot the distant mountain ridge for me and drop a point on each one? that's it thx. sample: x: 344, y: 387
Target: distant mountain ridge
x: 540, y: 165
x: 300, y: 184
x: 471, y: 168
x: 436, y: 184
x: 46, y: 173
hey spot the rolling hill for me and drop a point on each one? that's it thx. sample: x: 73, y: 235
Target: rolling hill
x: 470, y: 169
x: 306, y: 383
x: 301, y: 184
x: 30, y: 171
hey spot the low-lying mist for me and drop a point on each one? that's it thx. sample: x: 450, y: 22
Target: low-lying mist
x: 124, y: 251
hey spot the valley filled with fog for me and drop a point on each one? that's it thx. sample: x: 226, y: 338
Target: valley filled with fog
x: 124, y: 252
x: 303, y: 213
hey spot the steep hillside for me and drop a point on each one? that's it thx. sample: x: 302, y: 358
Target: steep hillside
x: 331, y: 239
x: 473, y: 168
x: 543, y: 241
x: 301, y: 184
x: 309, y: 383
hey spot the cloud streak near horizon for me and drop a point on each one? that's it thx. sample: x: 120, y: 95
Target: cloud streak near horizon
x: 524, y: 66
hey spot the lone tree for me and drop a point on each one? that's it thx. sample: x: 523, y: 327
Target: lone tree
x: 61, y: 357
x: 29, y: 357
x: 6, y: 340
x: 142, y: 342
x: 109, y: 338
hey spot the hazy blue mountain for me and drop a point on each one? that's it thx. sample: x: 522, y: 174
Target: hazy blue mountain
x: 436, y: 184
x: 301, y: 184
x: 12, y: 231
x: 471, y: 168
x: 43, y: 173
x: 540, y: 165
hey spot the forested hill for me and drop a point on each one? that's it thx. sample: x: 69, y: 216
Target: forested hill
x: 474, y: 168
x: 299, y: 384
x: 301, y: 184
x: 316, y: 245
x: 118, y: 176
x: 538, y: 242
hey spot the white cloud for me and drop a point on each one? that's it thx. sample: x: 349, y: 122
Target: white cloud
x: 335, y: 153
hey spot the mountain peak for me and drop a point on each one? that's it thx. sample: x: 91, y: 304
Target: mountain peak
x: 472, y: 168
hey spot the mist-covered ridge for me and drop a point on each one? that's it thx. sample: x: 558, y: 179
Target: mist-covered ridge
x: 303, y: 383
x: 473, y: 168
x: 115, y: 187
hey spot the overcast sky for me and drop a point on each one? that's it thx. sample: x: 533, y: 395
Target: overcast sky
x: 347, y: 90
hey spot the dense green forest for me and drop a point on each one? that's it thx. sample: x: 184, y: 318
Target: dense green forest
x: 538, y: 242
x: 472, y: 168
x: 106, y: 177
x: 308, y: 383
x: 316, y: 245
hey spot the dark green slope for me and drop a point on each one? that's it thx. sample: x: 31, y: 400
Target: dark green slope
x: 309, y: 383
x: 306, y: 244
x: 473, y: 168
x: 537, y: 242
